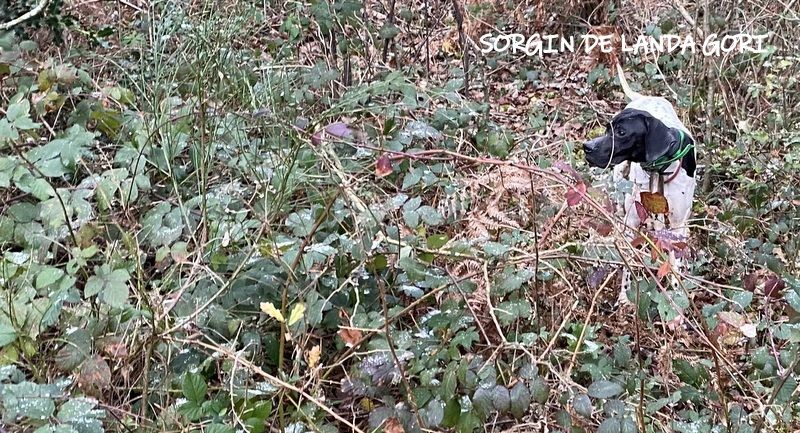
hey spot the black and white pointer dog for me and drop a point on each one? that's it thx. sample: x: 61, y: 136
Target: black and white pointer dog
x: 649, y: 145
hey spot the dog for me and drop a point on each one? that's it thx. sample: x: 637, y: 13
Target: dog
x: 648, y: 144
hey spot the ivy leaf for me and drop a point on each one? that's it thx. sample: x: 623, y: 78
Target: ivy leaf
x: 604, y: 389
x: 452, y: 412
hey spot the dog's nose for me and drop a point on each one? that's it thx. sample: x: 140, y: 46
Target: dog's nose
x: 591, y: 144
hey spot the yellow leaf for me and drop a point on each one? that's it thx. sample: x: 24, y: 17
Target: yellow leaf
x: 273, y: 312
x: 296, y: 314
x: 313, y: 356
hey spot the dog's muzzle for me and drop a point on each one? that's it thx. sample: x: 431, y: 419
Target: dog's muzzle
x: 595, y: 155
x: 591, y: 145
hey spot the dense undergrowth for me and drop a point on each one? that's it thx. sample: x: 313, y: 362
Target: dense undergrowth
x: 244, y: 216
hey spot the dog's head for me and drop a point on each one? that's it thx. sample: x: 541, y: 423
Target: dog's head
x: 633, y: 135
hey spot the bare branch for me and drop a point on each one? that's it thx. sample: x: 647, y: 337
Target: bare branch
x: 30, y: 14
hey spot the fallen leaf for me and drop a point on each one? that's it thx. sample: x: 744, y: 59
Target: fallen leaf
x: 296, y: 314
x: 750, y: 282
x: 392, y: 425
x: 568, y: 169
x: 655, y: 202
x: 94, y: 376
x: 115, y: 347
x: 663, y: 270
x: 350, y: 336
x: 313, y: 356
x: 774, y: 286
x: 575, y: 194
x: 597, y: 277
x: 271, y: 311
x: 749, y: 330
x: 604, y: 229
x: 638, y: 241
x: 383, y: 167
x: 641, y: 212
x: 732, y: 318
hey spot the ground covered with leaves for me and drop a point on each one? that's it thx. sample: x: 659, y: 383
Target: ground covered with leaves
x: 340, y: 216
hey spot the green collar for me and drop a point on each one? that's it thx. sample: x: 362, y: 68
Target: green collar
x: 664, y: 161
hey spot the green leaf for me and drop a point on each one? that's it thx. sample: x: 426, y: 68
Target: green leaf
x: 7, y: 132
x: 76, y: 409
x: 610, y: 425
x: 539, y: 390
x: 389, y: 31
x: 18, y: 110
x: 112, y: 284
x: 219, y: 428
x: 162, y: 225
x: 430, y: 216
x: 48, y: 276
x: 520, y: 400
x: 194, y: 388
x: 604, y: 389
x: 449, y: 382
x: 437, y: 241
x: 583, y: 405
x: 784, y: 394
x: 7, y: 334
x: 433, y: 413
x: 192, y: 410
x: 75, y: 350
x: 510, y: 311
x: 452, y: 412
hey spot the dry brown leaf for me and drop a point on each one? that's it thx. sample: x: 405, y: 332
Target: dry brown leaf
x: 94, y: 376
x: 392, y: 425
x: 350, y: 336
x: 663, y: 270
x: 383, y: 167
x: 313, y: 356
x: 655, y: 202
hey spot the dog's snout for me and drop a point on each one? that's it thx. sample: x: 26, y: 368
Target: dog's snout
x: 590, y: 145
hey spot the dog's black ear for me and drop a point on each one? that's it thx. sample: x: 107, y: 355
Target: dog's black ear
x: 659, y: 140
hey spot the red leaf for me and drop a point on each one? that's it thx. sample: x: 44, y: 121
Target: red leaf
x: 604, y: 229
x: 596, y: 277
x: 750, y: 282
x: 383, y: 167
x: 339, y: 130
x: 575, y: 194
x: 638, y: 241
x: 336, y: 129
x: 774, y: 286
x: 566, y: 168
x: 641, y: 211
x: 663, y: 270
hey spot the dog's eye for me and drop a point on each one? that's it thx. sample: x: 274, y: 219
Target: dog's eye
x: 620, y: 132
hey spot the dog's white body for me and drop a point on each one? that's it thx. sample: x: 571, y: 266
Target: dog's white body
x: 678, y: 190
x: 679, y: 193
